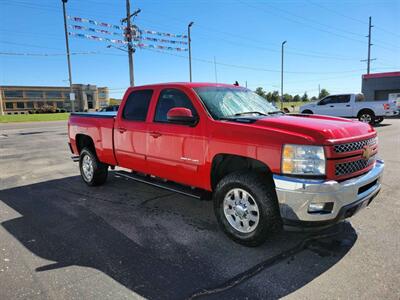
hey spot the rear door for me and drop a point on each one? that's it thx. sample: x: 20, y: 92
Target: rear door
x: 130, y: 131
x: 176, y: 151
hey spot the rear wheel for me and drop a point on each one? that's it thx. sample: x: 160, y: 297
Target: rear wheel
x: 246, y: 207
x: 366, y: 116
x: 93, y: 172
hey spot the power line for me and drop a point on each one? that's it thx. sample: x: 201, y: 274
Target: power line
x: 45, y: 54
x: 351, y: 18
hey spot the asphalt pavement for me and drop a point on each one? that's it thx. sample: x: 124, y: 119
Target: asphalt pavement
x: 60, y: 239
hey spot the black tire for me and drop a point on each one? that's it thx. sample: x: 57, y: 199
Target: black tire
x: 261, y: 189
x: 366, y: 116
x: 307, y: 111
x: 100, y: 170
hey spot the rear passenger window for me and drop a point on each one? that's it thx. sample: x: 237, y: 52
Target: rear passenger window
x: 137, y: 105
x: 170, y: 98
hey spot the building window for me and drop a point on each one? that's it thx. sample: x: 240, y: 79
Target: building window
x: 29, y: 104
x: 34, y: 94
x: 20, y: 105
x: 54, y: 94
x: 13, y: 94
x: 9, y: 105
x: 89, y: 100
x: 60, y: 104
x: 381, y: 95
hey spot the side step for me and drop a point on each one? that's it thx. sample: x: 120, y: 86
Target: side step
x: 166, y: 185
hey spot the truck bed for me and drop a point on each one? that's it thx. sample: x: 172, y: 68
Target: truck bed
x: 100, y: 127
x: 104, y: 114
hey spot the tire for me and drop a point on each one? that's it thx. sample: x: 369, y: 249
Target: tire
x: 262, y: 202
x: 93, y: 172
x: 366, y: 116
x: 307, y: 111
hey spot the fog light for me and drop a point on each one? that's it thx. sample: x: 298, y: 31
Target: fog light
x: 325, y: 208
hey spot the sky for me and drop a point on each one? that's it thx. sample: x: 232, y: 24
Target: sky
x: 325, y: 42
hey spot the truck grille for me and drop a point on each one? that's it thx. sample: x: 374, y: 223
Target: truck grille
x: 353, y: 166
x: 341, y: 148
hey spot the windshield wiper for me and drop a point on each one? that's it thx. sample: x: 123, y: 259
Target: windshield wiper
x: 275, y: 112
x: 249, y: 113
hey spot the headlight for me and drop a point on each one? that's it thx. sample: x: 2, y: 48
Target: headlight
x: 303, y: 160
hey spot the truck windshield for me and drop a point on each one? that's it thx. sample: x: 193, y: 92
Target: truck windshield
x: 226, y: 102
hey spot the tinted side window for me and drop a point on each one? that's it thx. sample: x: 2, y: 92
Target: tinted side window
x: 342, y: 99
x: 170, y: 98
x: 325, y: 101
x: 137, y: 105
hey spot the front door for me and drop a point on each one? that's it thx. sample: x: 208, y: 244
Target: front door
x: 175, y: 151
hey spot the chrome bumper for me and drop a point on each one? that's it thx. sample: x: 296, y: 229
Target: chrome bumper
x: 295, y: 196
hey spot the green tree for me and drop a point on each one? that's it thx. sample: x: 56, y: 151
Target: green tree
x: 323, y: 94
x: 296, y: 98
x: 274, y: 96
x: 304, y: 98
x: 313, y: 98
x: 260, y: 91
x: 287, y: 98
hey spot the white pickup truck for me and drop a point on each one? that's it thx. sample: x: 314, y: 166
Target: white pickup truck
x: 352, y: 106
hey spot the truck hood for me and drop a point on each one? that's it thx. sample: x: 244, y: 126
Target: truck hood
x: 317, y: 128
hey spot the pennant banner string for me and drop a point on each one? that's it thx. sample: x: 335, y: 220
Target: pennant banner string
x: 78, y: 27
x: 115, y: 41
x: 161, y: 40
x: 142, y: 31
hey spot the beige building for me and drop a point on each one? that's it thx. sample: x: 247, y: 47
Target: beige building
x: 25, y: 99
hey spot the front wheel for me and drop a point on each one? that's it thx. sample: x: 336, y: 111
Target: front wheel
x: 246, y: 207
x: 93, y: 171
x: 307, y: 111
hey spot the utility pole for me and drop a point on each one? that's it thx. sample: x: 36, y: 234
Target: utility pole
x: 190, y: 51
x: 368, y: 60
x: 215, y: 70
x: 128, y: 36
x: 369, y: 45
x: 319, y: 90
x: 283, y: 44
x: 71, y: 94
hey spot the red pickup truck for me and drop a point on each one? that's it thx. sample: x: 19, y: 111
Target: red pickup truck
x: 262, y: 168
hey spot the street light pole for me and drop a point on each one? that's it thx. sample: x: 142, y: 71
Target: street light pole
x: 190, y: 51
x: 72, y: 99
x: 283, y: 44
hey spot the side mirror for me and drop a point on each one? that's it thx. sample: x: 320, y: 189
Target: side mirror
x: 181, y: 115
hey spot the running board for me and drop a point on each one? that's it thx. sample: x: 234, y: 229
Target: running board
x: 166, y: 185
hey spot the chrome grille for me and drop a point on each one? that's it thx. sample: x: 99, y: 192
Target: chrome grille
x: 348, y: 147
x: 353, y: 166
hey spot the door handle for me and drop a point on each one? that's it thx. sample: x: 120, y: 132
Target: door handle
x: 348, y: 105
x: 155, y: 134
x: 331, y: 105
x: 121, y: 129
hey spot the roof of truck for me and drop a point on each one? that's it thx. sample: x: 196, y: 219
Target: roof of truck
x: 189, y: 84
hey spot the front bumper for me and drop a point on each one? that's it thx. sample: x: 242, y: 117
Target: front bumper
x: 295, y: 196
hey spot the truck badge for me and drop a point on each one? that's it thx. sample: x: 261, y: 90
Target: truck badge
x: 367, y: 153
